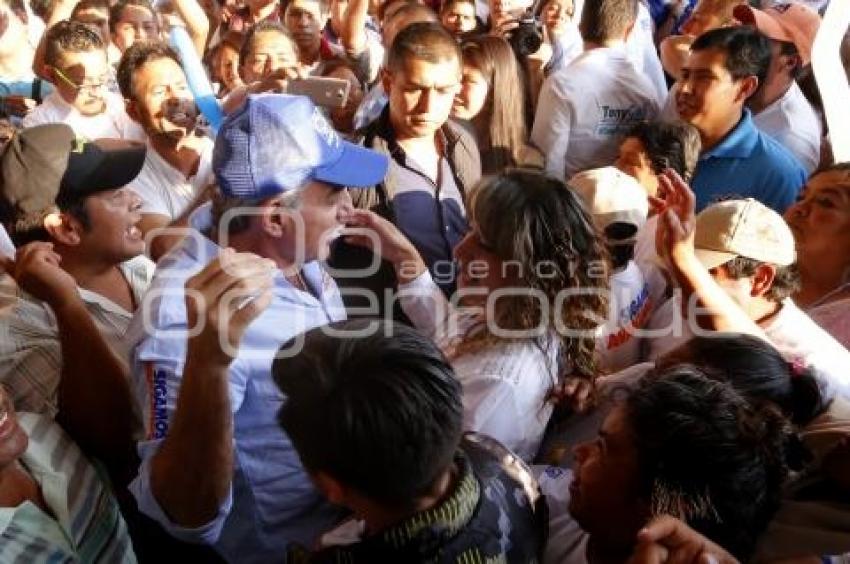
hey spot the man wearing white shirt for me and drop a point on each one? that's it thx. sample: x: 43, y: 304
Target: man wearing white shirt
x: 177, y: 167
x: 76, y: 65
x: 750, y: 252
x: 779, y: 107
x: 58, y: 189
x: 585, y: 108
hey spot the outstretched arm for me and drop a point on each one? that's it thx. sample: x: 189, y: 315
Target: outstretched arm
x: 675, y: 241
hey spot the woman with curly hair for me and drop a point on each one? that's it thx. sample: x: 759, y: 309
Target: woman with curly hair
x: 532, y: 288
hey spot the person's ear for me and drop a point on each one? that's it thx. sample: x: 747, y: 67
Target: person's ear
x: 386, y: 80
x: 331, y: 488
x: 62, y: 228
x: 628, y: 31
x: 132, y: 109
x: 747, y: 87
x: 762, y: 279
x: 274, y: 218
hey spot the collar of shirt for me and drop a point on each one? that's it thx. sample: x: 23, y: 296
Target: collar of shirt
x: 738, y: 143
x: 138, y: 272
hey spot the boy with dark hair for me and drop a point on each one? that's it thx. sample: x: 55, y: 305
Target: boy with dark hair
x: 393, y: 452
x: 585, y: 108
x: 75, y: 62
x: 723, y: 70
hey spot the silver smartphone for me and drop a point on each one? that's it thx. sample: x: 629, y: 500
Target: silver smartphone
x: 325, y: 92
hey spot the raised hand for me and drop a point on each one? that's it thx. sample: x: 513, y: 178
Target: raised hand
x: 667, y: 539
x: 223, y: 299
x: 36, y: 270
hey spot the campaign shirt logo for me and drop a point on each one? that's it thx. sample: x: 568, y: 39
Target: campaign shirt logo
x: 614, y: 121
x: 157, y: 378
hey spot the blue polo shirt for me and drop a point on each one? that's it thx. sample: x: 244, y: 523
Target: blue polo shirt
x: 748, y: 164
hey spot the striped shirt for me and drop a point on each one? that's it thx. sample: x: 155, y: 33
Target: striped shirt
x: 30, y: 352
x: 87, y: 526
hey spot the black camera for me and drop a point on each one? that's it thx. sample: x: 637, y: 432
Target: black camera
x: 527, y: 38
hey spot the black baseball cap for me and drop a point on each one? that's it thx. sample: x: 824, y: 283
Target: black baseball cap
x: 48, y: 166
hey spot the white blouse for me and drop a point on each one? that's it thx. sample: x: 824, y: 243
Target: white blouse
x: 505, y: 384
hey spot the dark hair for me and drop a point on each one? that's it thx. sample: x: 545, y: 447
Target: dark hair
x: 31, y: 228
x: 116, y: 12
x: 747, y: 50
x: 835, y: 167
x: 385, y: 7
x: 89, y: 5
x: 265, y: 26
x: 756, y: 369
x: 708, y: 456
x: 70, y: 36
x: 789, y: 49
x: 375, y: 405
x: 531, y: 221
x: 673, y: 145
x: 786, y: 281
x: 606, y: 20
x: 427, y: 41
x: 506, y: 135
x: 138, y: 55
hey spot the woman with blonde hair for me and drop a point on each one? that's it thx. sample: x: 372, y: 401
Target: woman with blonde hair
x: 499, y: 120
x: 532, y: 288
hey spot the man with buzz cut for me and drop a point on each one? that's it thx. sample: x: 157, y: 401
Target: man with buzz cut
x: 433, y: 161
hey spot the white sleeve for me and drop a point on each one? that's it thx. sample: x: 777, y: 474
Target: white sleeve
x: 140, y: 487
x: 551, y: 131
x: 426, y: 306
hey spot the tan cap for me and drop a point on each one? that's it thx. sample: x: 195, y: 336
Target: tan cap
x: 611, y: 196
x: 742, y: 228
x: 788, y: 22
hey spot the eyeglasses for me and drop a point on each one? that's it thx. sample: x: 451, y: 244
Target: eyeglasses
x: 81, y: 88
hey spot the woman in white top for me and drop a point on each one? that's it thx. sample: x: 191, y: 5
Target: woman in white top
x: 820, y: 222
x: 532, y: 287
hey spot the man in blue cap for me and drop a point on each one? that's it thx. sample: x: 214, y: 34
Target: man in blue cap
x: 216, y: 467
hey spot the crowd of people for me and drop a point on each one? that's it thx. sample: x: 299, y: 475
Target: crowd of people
x: 402, y: 281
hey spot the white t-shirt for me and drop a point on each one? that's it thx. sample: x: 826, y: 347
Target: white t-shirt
x: 164, y: 190
x: 585, y: 108
x: 114, y: 123
x: 640, y: 47
x: 834, y: 317
x: 794, y: 334
x: 792, y: 121
x: 630, y: 307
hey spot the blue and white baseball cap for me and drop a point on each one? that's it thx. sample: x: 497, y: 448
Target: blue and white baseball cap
x: 275, y: 143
